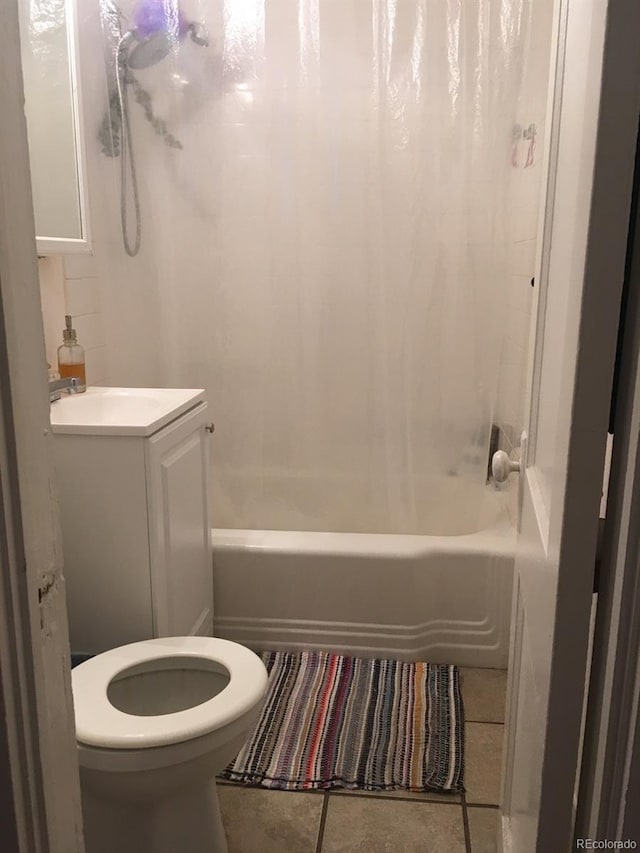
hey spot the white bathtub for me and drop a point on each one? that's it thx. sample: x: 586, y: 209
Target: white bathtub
x: 444, y: 599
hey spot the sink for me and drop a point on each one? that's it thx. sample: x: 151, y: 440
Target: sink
x: 121, y: 411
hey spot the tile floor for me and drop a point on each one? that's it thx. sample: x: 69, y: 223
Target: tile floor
x: 264, y: 821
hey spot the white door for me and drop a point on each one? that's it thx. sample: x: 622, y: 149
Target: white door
x: 39, y: 783
x: 591, y: 144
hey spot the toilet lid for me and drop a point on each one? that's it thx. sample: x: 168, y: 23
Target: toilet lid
x: 99, y: 723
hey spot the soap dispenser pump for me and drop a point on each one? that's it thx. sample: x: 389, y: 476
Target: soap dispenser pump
x: 71, y: 356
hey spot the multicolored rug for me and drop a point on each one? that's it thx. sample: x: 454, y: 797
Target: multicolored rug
x: 332, y: 721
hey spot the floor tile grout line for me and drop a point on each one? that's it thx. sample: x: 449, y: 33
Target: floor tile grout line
x: 370, y: 795
x: 323, y: 820
x: 465, y: 824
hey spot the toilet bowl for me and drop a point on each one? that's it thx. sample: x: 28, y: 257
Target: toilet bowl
x: 155, y: 721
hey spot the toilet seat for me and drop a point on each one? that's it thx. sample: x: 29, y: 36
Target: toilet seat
x: 101, y: 724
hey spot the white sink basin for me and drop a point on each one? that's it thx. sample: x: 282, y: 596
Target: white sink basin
x: 121, y: 411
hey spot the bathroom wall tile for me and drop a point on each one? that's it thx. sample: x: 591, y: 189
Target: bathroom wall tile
x: 90, y: 329
x: 79, y: 266
x: 269, y: 821
x: 245, y: 105
x: 505, y: 441
x: 517, y: 386
x: 521, y: 298
x: 96, y: 363
x: 82, y: 296
x: 483, y: 762
x: 332, y: 107
x: 518, y: 333
x: 243, y: 191
x: 483, y: 829
x: 523, y: 258
x: 510, y: 400
x: 245, y: 139
x: 499, y: 415
x: 53, y: 305
x: 346, y: 40
x: 282, y: 45
x: 479, y: 229
x: 483, y: 694
x: 362, y: 825
x: 526, y: 213
x: 512, y: 408
x: 511, y: 429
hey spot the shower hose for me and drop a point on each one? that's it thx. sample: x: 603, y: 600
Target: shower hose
x: 127, y: 157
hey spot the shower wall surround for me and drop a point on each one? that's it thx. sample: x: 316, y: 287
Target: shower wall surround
x: 328, y: 254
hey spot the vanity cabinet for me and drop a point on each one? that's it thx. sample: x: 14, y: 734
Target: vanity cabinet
x: 136, y: 532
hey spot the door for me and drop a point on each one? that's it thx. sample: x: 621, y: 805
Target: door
x: 39, y: 783
x: 610, y: 772
x: 590, y: 145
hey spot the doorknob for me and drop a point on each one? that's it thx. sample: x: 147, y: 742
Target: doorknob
x: 502, y: 466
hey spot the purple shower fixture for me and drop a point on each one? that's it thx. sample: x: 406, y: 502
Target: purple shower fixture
x: 158, y: 27
x: 159, y: 16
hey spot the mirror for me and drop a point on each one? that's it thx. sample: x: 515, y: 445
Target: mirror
x: 48, y: 34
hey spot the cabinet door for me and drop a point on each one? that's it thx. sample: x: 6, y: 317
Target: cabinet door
x: 177, y: 460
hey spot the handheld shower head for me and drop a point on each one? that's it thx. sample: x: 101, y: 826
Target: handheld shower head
x: 148, y: 51
x: 155, y: 34
x: 152, y: 48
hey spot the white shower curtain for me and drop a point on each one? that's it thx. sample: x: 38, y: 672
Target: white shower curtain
x: 326, y: 253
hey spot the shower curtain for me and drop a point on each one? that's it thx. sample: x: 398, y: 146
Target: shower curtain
x: 326, y: 250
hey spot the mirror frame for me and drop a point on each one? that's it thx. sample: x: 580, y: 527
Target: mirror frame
x: 73, y: 245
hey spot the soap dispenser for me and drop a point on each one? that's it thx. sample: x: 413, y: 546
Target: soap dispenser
x: 71, y: 356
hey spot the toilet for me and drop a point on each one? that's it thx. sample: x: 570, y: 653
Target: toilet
x: 156, y: 721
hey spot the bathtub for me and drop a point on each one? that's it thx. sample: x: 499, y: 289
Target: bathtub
x: 438, y: 598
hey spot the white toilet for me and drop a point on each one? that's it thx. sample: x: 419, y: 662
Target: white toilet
x: 155, y: 721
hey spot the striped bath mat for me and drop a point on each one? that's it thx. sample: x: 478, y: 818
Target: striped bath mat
x: 332, y: 721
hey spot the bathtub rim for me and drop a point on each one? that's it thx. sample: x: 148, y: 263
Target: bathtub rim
x: 499, y: 541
